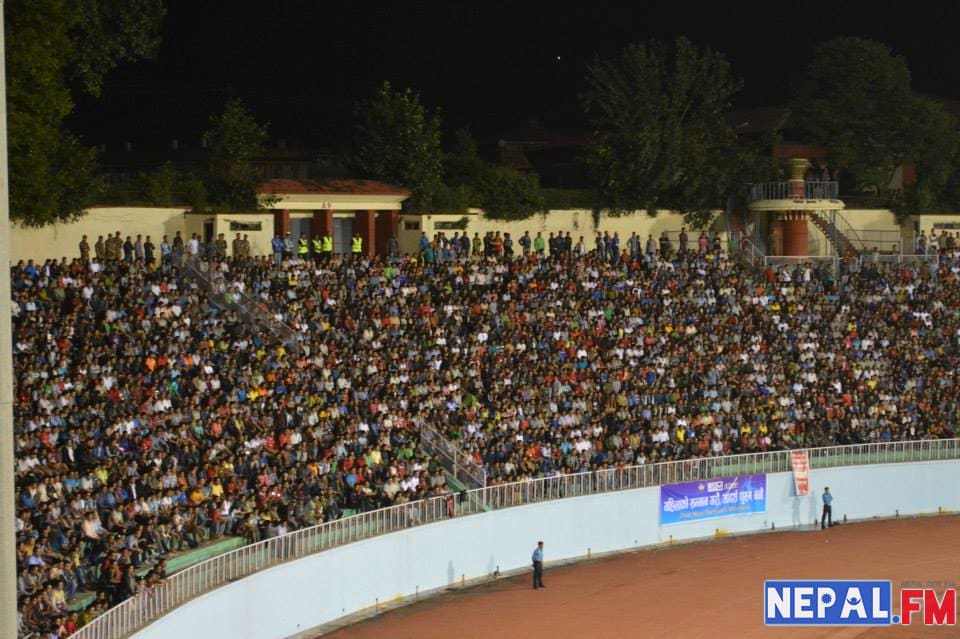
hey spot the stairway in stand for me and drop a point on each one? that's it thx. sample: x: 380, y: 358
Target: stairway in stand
x: 749, y: 251
x: 841, y: 243
x: 737, y: 224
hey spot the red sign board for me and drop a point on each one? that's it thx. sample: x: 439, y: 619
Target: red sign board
x: 801, y: 472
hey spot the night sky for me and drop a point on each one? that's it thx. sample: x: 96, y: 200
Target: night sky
x: 300, y: 65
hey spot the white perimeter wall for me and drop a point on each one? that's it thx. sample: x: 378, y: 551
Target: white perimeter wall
x: 63, y: 240
x: 578, y: 222
x: 294, y: 597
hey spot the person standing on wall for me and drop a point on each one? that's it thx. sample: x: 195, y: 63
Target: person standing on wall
x: 327, y: 242
x: 277, y: 245
x: 317, y: 244
x: 220, y: 247
x: 84, y: 250
x: 148, y: 253
x: 237, y: 247
x: 289, y: 247
x: 303, y: 248
x: 100, y: 250
x: 526, y: 242
x: 538, y: 566
x: 538, y: 244
x: 827, y: 509
x: 356, y: 247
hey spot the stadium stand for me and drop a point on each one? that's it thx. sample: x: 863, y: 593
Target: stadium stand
x: 156, y: 425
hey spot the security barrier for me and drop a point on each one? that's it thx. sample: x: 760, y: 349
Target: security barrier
x: 156, y: 601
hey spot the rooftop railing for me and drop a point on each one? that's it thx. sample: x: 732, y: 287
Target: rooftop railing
x: 794, y: 191
x: 155, y: 601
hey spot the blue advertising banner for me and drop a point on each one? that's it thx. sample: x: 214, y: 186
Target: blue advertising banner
x: 711, y: 498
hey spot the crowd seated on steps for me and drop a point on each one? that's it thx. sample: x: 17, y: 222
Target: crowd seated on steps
x: 149, y: 420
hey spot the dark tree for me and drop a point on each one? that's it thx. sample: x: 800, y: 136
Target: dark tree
x: 50, y: 43
x: 397, y: 141
x: 508, y: 194
x: 855, y: 100
x: 660, y: 139
x: 234, y: 139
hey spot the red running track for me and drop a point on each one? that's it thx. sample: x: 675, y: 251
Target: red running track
x: 710, y: 590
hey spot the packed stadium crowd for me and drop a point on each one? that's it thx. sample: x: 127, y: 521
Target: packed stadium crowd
x: 150, y: 420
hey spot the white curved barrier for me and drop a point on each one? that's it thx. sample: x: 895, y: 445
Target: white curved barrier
x: 293, y: 597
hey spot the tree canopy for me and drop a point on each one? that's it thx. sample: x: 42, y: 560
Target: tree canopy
x: 396, y: 140
x: 54, y: 48
x: 659, y: 136
x: 462, y: 166
x: 234, y: 140
x: 168, y: 186
x: 502, y: 192
x: 508, y: 194
x: 855, y: 99
x: 108, y: 33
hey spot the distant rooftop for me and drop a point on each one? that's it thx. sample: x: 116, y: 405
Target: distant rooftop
x: 331, y: 186
x: 764, y: 119
x: 536, y: 134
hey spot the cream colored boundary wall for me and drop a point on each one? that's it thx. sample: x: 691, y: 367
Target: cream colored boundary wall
x: 580, y: 222
x: 871, y: 223
x: 880, y: 228
x: 577, y: 221
x: 259, y: 240
x: 63, y: 240
x: 927, y: 222
x: 880, y: 219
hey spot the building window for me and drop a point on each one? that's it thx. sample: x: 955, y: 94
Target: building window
x: 245, y: 226
x: 409, y: 225
x: 459, y: 225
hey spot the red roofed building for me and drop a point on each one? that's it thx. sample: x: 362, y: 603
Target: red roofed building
x: 340, y: 207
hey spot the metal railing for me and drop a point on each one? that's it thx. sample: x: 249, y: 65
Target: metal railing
x: 794, y: 191
x: 748, y: 250
x: 225, y: 296
x: 913, y: 245
x: 845, y: 229
x: 456, y: 462
x: 931, y: 259
x: 156, y: 601
x: 673, y: 239
x: 842, y: 237
x: 884, y: 239
x: 794, y: 260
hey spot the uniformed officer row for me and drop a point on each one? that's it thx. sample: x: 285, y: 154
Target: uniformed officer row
x: 113, y: 248
x: 320, y: 246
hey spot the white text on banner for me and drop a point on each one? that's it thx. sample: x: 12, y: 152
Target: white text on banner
x: 801, y: 471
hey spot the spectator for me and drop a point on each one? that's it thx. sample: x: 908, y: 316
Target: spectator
x: 278, y: 246
x: 193, y: 245
x: 128, y: 251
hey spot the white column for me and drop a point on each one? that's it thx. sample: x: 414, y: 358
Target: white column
x: 8, y: 551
